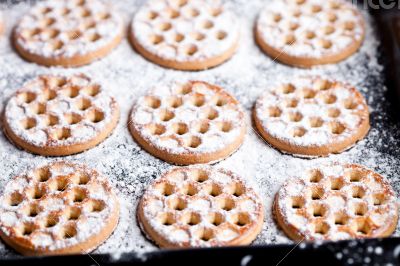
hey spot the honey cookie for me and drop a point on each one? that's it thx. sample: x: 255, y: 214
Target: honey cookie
x: 68, y: 33
x: 305, y: 33
x: 200, y: 207
x: 185, y: 34
x: 189, y: 123
x: 57, y: 209
x: 336, y: 202
x: 57, y: 115
x: 312, y: 116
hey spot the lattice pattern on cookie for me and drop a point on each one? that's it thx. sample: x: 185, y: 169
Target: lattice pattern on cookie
x: 59, y: 111
x: 338, y: 202
x: 55, y: 206
x: 312, y: 111
x: 194, y: 117
x: 198, y: 206
x: 185, y: 30
x: 68, y: 28
x: 310, y: 28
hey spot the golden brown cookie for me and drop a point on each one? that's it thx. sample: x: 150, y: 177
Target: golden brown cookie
x: 59, y: 208
x: 200, y: 207
x: 312, y: 116
x: 306, y: 33
x: 68, y: 33
x: 58, y: 115
x: 336, y: 202
x: 189, y: 123
x: 185, y: 34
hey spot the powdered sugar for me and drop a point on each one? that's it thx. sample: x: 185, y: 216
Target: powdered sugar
x: 128, y: 76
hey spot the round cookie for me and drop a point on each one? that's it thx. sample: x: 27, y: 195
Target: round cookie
x: 312, y: 116
x: 185, y: 34
x: 336, y: 202
x: 57, y: 115
x: 189, y: 123
x: 57, y: 209
x: 200, y: 207
x: 68, y: 33
x: 305, y: 33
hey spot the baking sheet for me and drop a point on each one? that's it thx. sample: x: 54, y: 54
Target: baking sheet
x: 127, y: 76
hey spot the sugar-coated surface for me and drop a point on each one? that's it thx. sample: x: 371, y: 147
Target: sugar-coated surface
x: 128, y: 76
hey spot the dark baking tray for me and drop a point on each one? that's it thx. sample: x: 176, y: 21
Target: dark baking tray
x: 355, y: 252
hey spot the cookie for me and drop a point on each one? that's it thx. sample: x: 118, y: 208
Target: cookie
x: 188, y: 123
x: 59, y: 208
x: 58, y: 115
x: 336, y: 202
x: 305, y: 33
x: 185, y: 34
x: 312, y: 116
x: 68, y: 33
x: 200, y: 207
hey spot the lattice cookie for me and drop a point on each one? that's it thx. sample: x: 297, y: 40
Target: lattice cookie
x: 68, y: 33
x: 336, y: 202
x: 305, y: 33
x: 59, y: 208
x: 312, y: 116
x: 200, y: 207
x: 189, y: 123
x: 57, y: 115
x: 185, y: 34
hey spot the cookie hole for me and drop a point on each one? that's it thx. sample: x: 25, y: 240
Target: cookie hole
x: 299, y: 132
x: 65, y: 11
x: 310, y: 35
x: 363, y: 228
x: 316, y: 8
x: 51, y: 120
x: 191, y: 49
x: 198, y: 36
x: 152, y: 102
x: 191, y: 219
x: 326, y: 44
x: 295, y: 117
x: 179, y: 38
x: 181, y: 3
x: 27, y: 230
x: 166, y: 115
x: 330, y: 99
x: 206, y: 235
x: 73, y: 213
x: 157, y: 129
x: 49, y: 95
x: 50, y: 33
x: 297, y: 202
x: 237, y: 190
x: 308, y: 94
x: 83, y: 104
x: 165, y: 26
x: 334, y: 5
x: 95, y: 116
x: 225, y: 127
x: 167, y: 219
x: 50, y: 222
x: 216, y: 12
x: 193, y: 142
x: 80, y: 2
x: 46, y: 10
x: 185, y: 89
x: 15, y: 199
x: 202, y: 127
x: 322, y: 84
x: 241, y: 219
x: 334, y: 112
x: 74, y: 35
x: 321, y: 228
x: 37, y: 193
x: 79, y: 196
x: 62, y: 134
x: 192, y: 12
x: 72, y: 119
x: 360, y: 208
x: 173, y: 14
x: 152, y: 15
x: 216, y: 218
x: 336, y: 184
x: 317, y: 193
x: 42, y: 174
x: 39, y: 108
x: 290, y: 40
x: 329, y: 30
x: 316, y: 122
x: 57, y: 45
x: 94, y: 37
x: 97, y: 205
x: 27, y: 97
x: 212, y: 114
x: 89, y: 25
x: 355, y: 175
x: 104, y: 16
x: 157, y: 39
x: 221, y: 35
x: 177, y: 204
x: 166, y: 189
x: 175, y: 102
x: 349, y: 26
x: 83, y: 179
x: 288, y: 89
x: 358, y: 192
x: 293, y: 26
x: 226, y: 204
x: 198, y: 100
x: 208, y: 24
x: 71, y: 92
x: 340, y: 218
x: 292, y: 103
x: 59, y: 185
x: 28, y: 34
x: 300, y: 2
x: 47, y: 22
x: 296, y: 13
x: 337, y: 128
x: 319, y: 210
x: 57, y: 82
x: 315, y: 176
x: 277, y: 18
x: 350, y: 104
x: 332, y: 17
x: 69, y: 232
x: 214, y: 190
x: 379, y: 199
x: 28, y: 123
x: 190, y: 190
x: 180, y: 129
x: 33, y: 210
x: 200, y: 176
